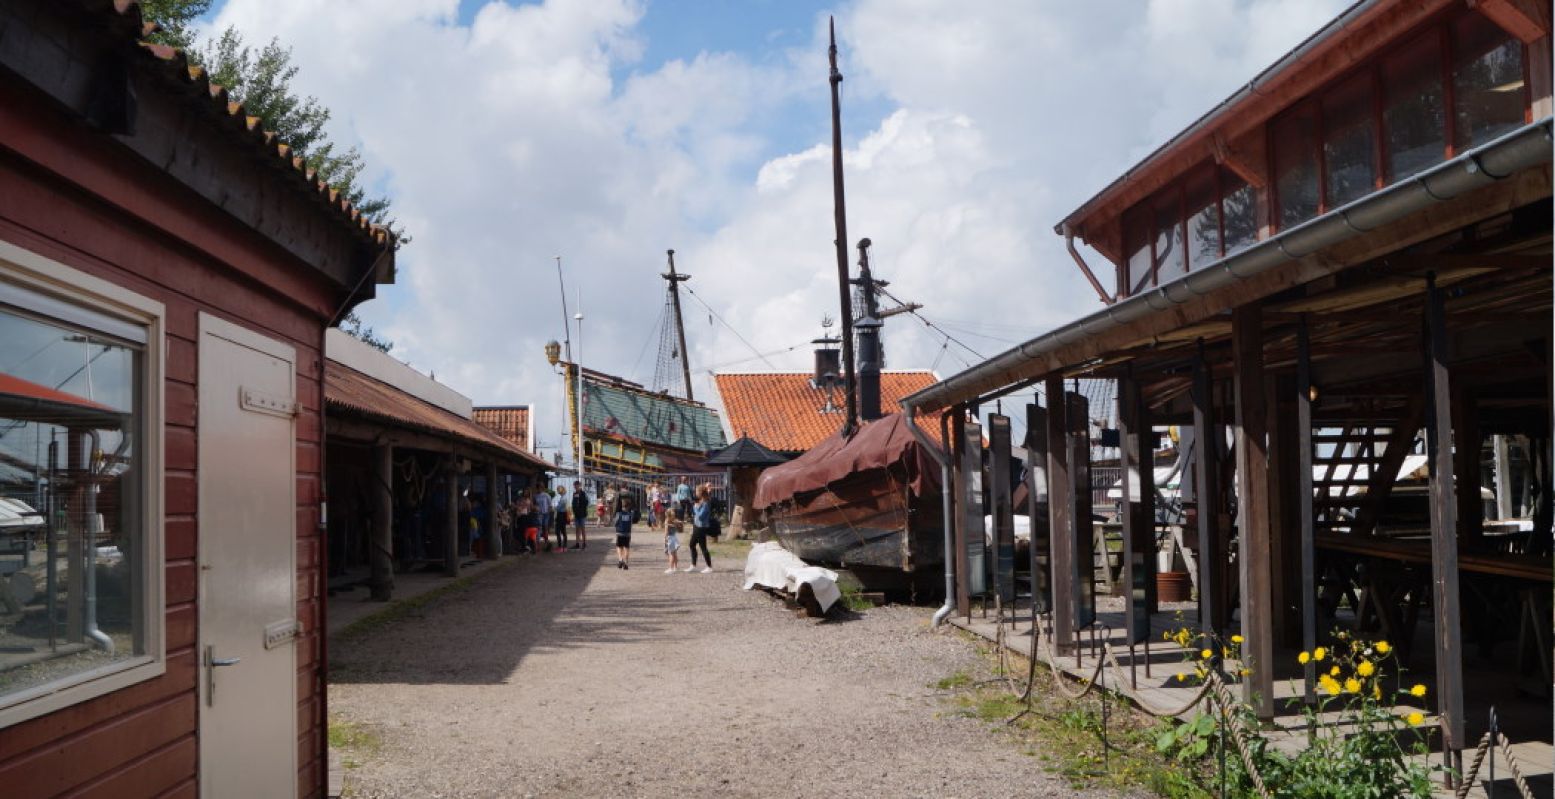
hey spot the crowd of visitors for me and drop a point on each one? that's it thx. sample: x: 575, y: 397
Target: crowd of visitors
x: 538, y: 521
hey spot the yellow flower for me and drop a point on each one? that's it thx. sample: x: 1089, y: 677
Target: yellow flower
x: 1181, y: 676
x: 1352, y: 686
x: 1417, y: 691
x: 1383, y: 647
x: 1206, y: 654
x: 1365, y: 669
x: 1236, y: 639
x: 1328, y: 685
x: 1415, y: 718
x: 1319, y: 653
x: 1303, y: 658
x: 1245, y: 672
x: 1334, y: 671
x: 1376, y: 692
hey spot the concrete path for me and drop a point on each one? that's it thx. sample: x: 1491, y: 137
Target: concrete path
x: 561, y: 675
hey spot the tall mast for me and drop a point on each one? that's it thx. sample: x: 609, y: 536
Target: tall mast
x: 840, y: 205
x: 675, y: 279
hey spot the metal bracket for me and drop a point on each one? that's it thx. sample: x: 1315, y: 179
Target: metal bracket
x: 252, y: 399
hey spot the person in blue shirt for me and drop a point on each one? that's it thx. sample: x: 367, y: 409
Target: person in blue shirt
x: 683, y: 498
x: 625, y: 509
x: 701, y: 528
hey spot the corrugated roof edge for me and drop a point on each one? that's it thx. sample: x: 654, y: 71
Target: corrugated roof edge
x: 1526, y: 147
x: 125, y: 19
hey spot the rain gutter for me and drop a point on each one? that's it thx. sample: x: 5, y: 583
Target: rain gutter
x: 1500, y: 158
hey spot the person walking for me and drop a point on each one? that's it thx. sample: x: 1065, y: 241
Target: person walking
x: 559, y: 511
x: 623, y: 524
x: 656, y: 494
x: 543, y: 514
x: 701, y: 527
x: 673, y: 527
x: 580, y: 516
x: 683, y: 498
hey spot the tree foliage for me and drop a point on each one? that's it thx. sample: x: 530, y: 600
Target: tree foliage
x: 352, y: 325
x: 175, y: 18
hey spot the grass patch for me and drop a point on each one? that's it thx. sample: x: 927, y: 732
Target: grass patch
x: 853, y: 599
x: 403, y: 608
x: 353, y: 742
x: 1065, y: 737
x: 727, y: 548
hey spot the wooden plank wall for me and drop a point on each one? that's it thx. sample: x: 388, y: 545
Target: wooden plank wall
x: 64, y: 191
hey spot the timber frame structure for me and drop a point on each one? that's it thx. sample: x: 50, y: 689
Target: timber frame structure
x: 1319, y: 287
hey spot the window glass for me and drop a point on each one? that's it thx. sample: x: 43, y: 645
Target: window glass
x: 1136, y: 247
x: 1487, y: 81
x: 1239, y: 210
x: 70, y: 510
x: 1169, y: 255
x: 1294, y: 137
x: 1413, y: 120
x: 1203, y: 218
x: 1349, y: 141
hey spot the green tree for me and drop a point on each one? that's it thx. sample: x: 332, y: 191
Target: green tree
x: 352, y: 325
x: 174, y: 17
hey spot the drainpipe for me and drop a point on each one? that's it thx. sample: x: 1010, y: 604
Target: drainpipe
x: 89, y: 522
x: 945, y: 493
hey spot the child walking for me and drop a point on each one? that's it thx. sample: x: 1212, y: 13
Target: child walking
x: 673, y: 527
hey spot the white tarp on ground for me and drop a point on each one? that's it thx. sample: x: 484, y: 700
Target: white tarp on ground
x: 771, y: 566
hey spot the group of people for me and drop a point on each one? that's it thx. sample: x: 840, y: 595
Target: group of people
x: 671, y: 511
x: 542, y: 514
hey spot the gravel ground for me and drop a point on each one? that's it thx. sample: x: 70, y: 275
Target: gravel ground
x: 561, y: 675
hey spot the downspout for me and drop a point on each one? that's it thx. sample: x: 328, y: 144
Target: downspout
x: 1106, y: 299
x: 89, y: 522
x: 945, y: 494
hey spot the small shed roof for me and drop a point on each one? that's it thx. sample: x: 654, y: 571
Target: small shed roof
x: 786, y: 412
x: 745, y: 452
x: 509, y: 421
x: 346, y: 389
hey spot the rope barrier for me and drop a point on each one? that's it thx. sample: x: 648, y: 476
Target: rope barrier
x: 1483, y: 749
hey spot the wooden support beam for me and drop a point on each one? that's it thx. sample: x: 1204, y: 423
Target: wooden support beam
x: 493, y: 531
x: 1285, y: 523
x: 1060, y: 515
x: 1382, y: 479
x: 1469, y: 480
x: 960, y: 490
x: 1245, y: 165
x: 1304, y: 508
x: 1083, y: 530
x: 1136, y: 460
x: 1444, y: 540
x: 1528, y: 20
x: 380, y: 556
x: 1037, y: 503
x: 1253, y: 521
x: 974, y: 532
x: 451, y: 531
x: 1000, y: 508
x: 1212, y: 553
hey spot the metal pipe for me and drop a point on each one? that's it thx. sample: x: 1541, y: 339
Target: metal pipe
x: 1520, y: 149
x: 945, y: 496
x: 1106, y: 299
x: 89, y: 525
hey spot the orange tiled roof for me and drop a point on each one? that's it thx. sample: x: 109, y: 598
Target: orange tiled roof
x: 125, y: 19
x: 510, y: 421
x: 783, y: 411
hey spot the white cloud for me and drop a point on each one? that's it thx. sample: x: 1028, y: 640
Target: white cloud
x: 534, y: 131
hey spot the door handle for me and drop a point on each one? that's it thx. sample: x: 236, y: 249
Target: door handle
x: 211, y: 664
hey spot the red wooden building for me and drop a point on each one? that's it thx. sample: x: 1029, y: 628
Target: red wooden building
x: 167, y: 274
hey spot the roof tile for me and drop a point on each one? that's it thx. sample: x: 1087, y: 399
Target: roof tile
x: 783, y: 411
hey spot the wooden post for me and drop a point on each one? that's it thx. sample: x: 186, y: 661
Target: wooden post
x: 1206, y: 437
x: 1136, y: 459
x: 959, y: 478
x: 381, y: 551
x: 1037, y: 508
x: 1444, y: 528
x: 493, y: 531
x: 1060, y: 509
x: 1253, y: 521
x: 1304, y: 508
x: 1503, y: 455
x: 1468, y: 482
x: 972, y: 529
x: 451, y: 516
x: 999, y: 506
x: 1083, y: 531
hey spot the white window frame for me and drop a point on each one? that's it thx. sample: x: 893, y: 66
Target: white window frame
x: 40, y: 274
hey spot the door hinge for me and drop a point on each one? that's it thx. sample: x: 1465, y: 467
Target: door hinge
x: 252, y: 399
x: 280, y: 632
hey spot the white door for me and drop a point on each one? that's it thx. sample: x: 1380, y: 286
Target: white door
x: 248, y: 575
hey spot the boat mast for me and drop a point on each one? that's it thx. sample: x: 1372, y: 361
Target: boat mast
x: 675, y: 279
x: 840, y: 206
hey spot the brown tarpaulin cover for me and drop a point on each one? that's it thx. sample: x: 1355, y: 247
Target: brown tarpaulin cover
x: 883, y: 444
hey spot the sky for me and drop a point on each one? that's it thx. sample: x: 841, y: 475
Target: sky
x: 609, y: 131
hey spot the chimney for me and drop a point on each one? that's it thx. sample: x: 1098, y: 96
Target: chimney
x: 869, y: 368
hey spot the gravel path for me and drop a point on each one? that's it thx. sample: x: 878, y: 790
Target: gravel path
x: 561, y: 675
